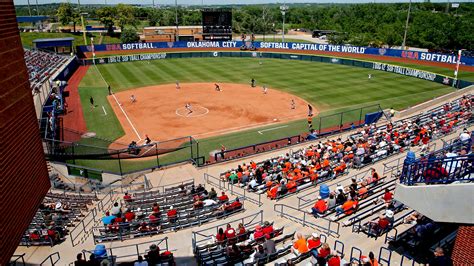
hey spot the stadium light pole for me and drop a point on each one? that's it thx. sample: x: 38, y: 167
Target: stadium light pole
x: 83, y: 28
x: 406, y: 27
x: 37, y: 8
x: 177, y: 27
x: 29, y: 7
x: 283, y: 9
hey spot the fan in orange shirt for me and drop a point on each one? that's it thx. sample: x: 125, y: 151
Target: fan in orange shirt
x: 273, y: 191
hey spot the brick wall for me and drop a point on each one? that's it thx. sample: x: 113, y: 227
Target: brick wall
x: 23, y: 173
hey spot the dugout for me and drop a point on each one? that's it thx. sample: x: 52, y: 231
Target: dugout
x: 56, y: 45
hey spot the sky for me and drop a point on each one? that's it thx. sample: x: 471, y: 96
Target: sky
x: 220, y: 2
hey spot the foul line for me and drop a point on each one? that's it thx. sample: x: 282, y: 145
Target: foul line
x: 105, y: 112
x: 120, y: 106
x: 270, y: 129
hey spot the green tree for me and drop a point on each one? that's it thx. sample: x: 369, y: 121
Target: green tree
x: 153, y: 17
x: 106, y: 16
x: 129, y: 35
x: 125, y: 16
x: 66, y: 15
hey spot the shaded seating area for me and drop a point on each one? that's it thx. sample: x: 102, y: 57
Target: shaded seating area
x: 57, y: 214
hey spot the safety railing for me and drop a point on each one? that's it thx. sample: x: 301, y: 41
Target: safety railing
x: 234, y: 190
x: 83, y: 229
x: 310, y: 198
x: 17, y: 260
x: 52, y: 259
x: 205, y: 235
x: 331, y: 227
x: 385, y: 255
x: 438, y: 171
x: 134, y: 250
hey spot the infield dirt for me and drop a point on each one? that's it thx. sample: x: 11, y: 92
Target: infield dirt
x: 159, y: 111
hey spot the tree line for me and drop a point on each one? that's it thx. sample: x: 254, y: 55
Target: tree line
x: 432, y: 25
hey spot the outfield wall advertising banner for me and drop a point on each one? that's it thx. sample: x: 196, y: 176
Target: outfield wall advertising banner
x: 129, y: 58
x: 416, y: 55
x: 324, y: 59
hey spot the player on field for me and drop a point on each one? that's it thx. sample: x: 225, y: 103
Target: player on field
x: 252, y: 81
x: 218, y: 88
x: 147, y: 140
x: 189, y: 108
x: 370, y: 76
x: 132, y: 98
x: 265, y: 89
x: 293, y: 104
x: 177, y: 85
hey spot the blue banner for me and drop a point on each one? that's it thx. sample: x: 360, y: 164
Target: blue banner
x: 416, y: 55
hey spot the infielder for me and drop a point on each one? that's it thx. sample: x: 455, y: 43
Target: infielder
x: 218, y: 88
x: 177, y: 85
x: 132, y: 98
x: 293, y: 104
x: 265, y: 90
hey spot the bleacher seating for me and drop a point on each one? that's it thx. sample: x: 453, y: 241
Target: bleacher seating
x: 41, y: 65
x: 290, y: 173
x: 56, y: 215
x: 239, y: 248
x: 150, y: 213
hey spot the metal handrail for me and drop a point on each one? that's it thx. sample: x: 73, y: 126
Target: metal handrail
x: 111, y: 253
x: 212, y: 180
x: 438, y: 171
x: 282, y: 210
x: 17, y: 257
x: 50, y: 259
x: 247, y: 221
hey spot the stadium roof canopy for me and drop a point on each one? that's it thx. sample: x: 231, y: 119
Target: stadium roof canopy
x: 53, y: 42
x: 31, y: 19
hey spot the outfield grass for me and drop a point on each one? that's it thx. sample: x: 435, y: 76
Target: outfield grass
x: 329, y: 87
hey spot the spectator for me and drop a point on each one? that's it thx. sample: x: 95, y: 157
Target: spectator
x: 323, y: 253
x: 140, y: 262
x: 235, y: 205
x: 127, y: 197
x: 242, y: 233
x: 334, y: 259
x: 230, y: 232
x: 172, y: 214
x: 299, y: 246
x: 116, y: 210
x: 260, y: 254
x: 209, y: 202
x: 370, y: 261
x: 319, y: 207
x: 331, y: 201
x: 375, y: 228
x: 233, y: 252
x: 80, y: 261
x: 108, y: 219
x: 129, y: 215
x: 269, y: 244
x: 156, y: 209
x: 464, y: 136
x: 220, y: 236
x: 144, y: 228
x: 258, y: 234
x: 223, y: 197
x: 153, y: 256
x: 440, y: 259
x: 314, y: 242
x: 267, y: 228
x: 212, y: 194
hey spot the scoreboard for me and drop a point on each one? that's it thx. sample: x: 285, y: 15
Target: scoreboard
x: 217, y: 24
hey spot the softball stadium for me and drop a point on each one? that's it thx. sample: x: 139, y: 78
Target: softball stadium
x: 226, y: 150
